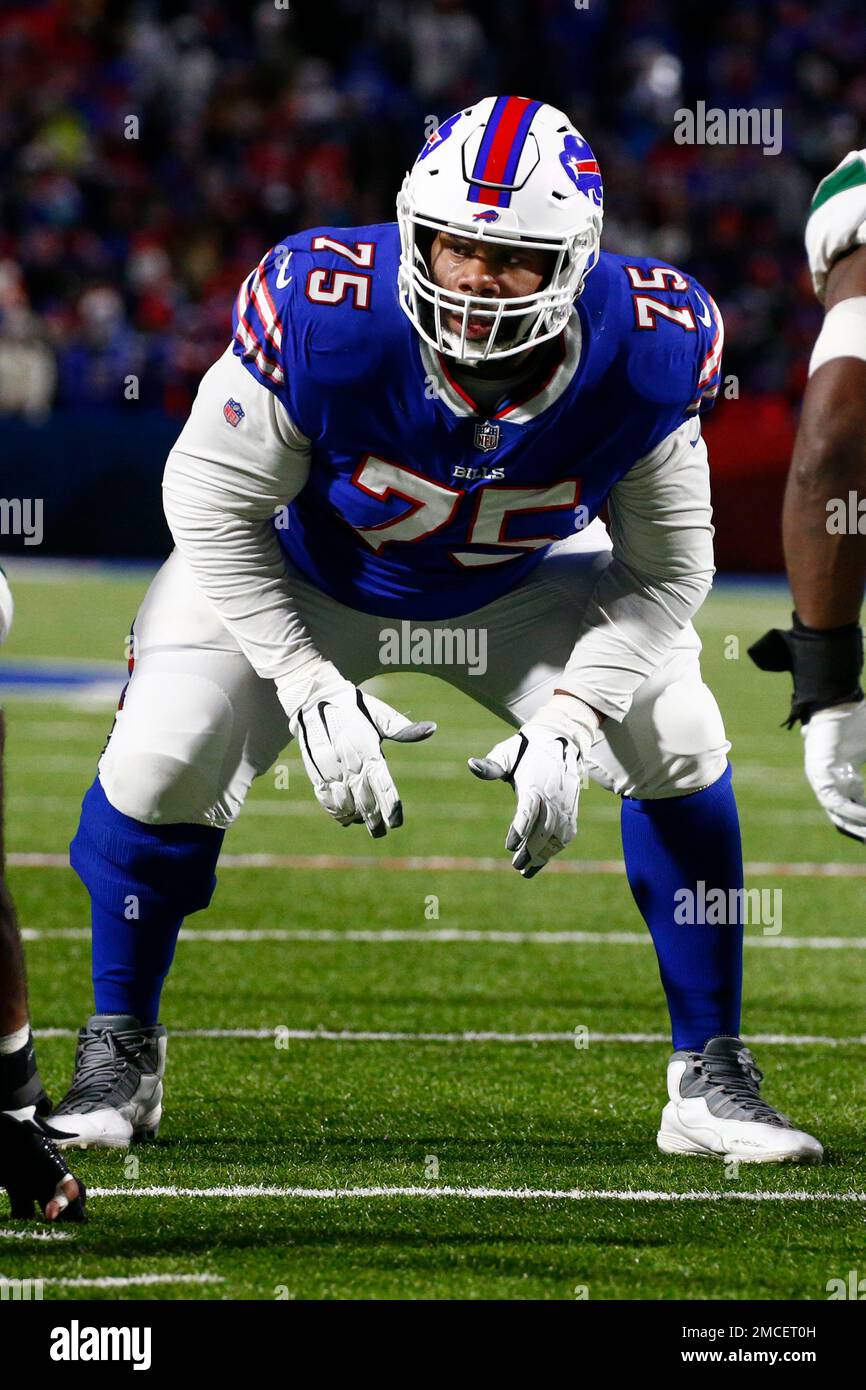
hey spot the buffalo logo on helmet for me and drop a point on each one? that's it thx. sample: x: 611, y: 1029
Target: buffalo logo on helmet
x: 440, y: 133
x: 488, y: 215
x: 581, y: 165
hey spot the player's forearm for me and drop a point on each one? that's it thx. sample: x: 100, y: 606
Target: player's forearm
x: 632, y: 624
x: 825, y: 555
x: 662, y: 570
x: 826, y: 571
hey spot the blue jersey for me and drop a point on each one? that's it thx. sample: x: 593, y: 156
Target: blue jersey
x: 418, y: 505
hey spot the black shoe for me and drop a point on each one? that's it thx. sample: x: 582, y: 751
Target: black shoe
x: 116, y: 1092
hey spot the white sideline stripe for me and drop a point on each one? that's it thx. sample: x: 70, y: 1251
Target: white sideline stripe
x: 34, y: 1235
x: 447, y: 935
x: 525, y: 1194
x: 454, y: 863
x: 112, y: 1281
x: 365, y: 1035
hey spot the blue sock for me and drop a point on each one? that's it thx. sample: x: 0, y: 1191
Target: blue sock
x: 143, y: 880
x: 680, y: 843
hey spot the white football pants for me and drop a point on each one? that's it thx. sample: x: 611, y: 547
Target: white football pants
x: 197, y: 724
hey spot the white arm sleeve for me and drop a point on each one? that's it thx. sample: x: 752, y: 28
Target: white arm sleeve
x: 660, y: 574
x: 221, y: 488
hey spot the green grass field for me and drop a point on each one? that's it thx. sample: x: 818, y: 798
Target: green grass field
x: 503, y: 1114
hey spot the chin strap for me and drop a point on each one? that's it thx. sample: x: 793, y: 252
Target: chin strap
x: 825, y: 663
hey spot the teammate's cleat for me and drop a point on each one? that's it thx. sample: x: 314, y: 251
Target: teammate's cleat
x: 116, y: 1094
x: 20, y: 1086
x: 716, y: 1108
x: 32, y: 1170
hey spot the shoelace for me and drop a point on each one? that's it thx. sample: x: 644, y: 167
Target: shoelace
x: 738, y: 1079
x: 100, y: 1058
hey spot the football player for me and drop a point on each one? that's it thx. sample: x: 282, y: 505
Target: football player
x: 824, y: 517
x: 420, y: 422
x: 31, y: 1168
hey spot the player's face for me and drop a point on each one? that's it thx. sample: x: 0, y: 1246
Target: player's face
x: 472, y: 266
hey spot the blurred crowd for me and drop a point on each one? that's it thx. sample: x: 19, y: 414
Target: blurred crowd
x: 150, y: 152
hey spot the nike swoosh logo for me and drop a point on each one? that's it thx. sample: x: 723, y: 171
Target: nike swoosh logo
x: 706, y: 321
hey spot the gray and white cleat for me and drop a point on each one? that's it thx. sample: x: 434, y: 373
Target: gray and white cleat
x: 116, y: 1094
x: 716, y: 1108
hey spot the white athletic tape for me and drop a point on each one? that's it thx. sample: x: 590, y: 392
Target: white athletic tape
x: 842, y: 335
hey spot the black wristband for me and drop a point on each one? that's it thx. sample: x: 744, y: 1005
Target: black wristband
x: 825, y: 663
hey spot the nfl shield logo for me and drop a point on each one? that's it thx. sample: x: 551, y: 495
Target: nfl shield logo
x: 233, y: 411
x: 487, y: 436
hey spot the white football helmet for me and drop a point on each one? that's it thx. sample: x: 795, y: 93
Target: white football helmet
x: 511, y: 170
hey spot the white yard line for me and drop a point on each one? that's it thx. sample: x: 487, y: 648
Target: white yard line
x: 448, y: 936
x: 368, y: 1035
x: 447, y: 863
x: 111, y: 1281
x: 524, y: 1194
x: 34, y: 1235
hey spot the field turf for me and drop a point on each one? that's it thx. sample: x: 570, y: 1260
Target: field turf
x: 389, y: 940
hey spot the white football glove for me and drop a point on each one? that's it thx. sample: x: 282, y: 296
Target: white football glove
x: 835, y: 746
x: 340, y: 735
x: 543, y: 762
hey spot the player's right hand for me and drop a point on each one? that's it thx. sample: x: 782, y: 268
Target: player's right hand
x: 340, y: 737
x: 33, y: 1170
x: 835, y: 747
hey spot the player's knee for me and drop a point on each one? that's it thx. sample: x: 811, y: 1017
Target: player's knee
x: 690, y: 742
x: 165, y: 760
x: 158, y: 790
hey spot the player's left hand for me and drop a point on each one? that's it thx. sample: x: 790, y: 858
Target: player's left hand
x: 543, y: 762
x: 835, y: 747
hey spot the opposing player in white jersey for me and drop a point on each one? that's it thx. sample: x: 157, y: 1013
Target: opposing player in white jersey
x: 419, y: 423
x: 824, y: 520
